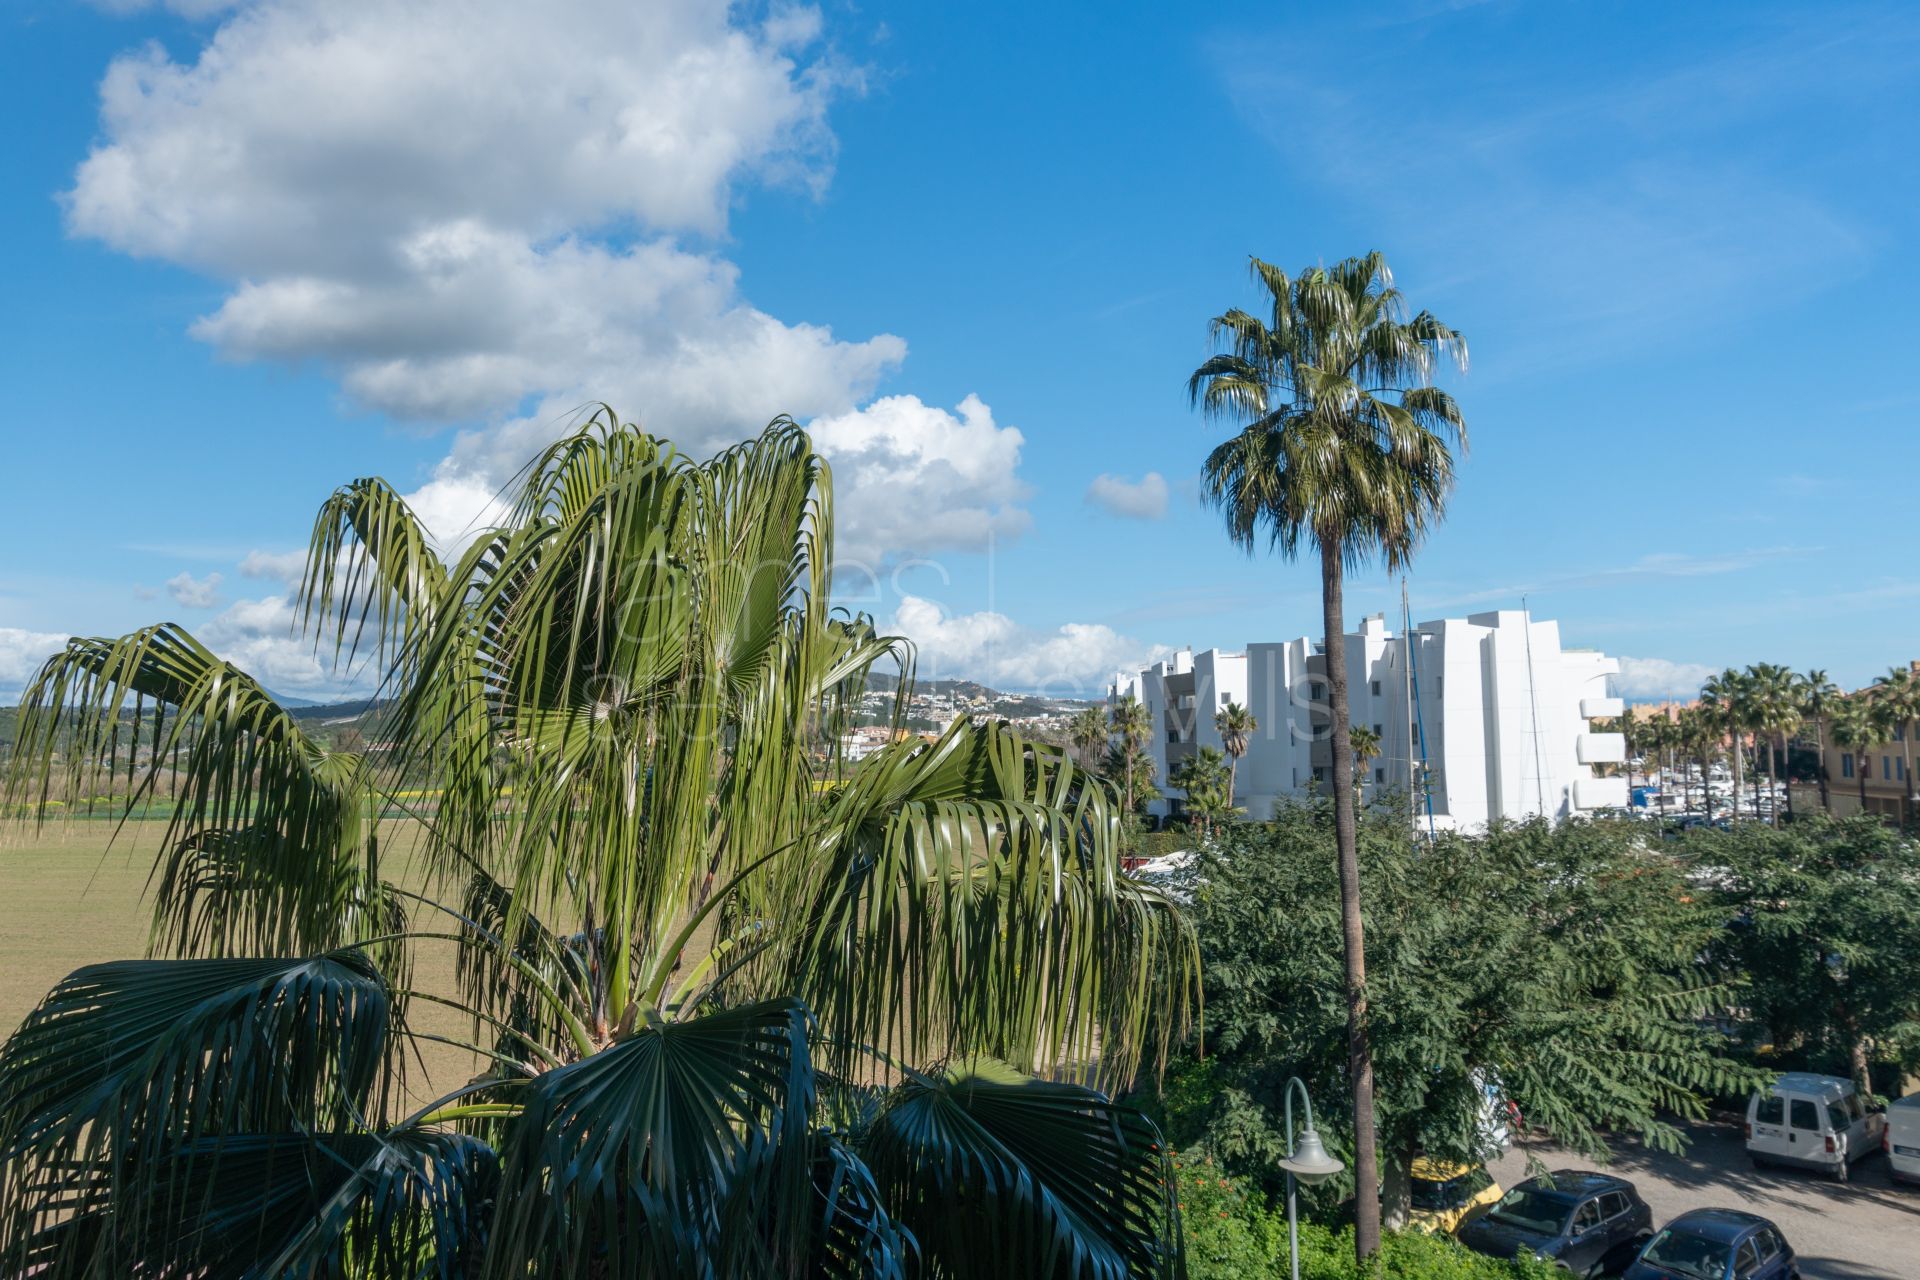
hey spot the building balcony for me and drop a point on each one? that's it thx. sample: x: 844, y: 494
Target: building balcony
x: 1601, y: 748
x: 1602, y: 708
x: 1600, y: 793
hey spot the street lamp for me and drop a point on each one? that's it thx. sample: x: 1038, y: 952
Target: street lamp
x: 1307, y: 1161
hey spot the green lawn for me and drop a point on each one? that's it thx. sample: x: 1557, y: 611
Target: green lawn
x: 67, y: 899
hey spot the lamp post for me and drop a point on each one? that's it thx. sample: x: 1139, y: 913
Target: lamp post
x: 1307, y: 1161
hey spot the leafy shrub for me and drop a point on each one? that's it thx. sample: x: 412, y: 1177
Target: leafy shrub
x: 1232, y: 1233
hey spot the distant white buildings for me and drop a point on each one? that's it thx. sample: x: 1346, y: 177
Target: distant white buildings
x: 1500, y: 726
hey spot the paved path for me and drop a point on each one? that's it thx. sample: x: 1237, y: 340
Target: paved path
x: 1868, y: 1229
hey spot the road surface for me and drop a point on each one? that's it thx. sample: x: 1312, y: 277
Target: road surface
x: 1867, y: 1229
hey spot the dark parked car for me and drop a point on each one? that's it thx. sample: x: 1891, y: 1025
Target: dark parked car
x: 1716, y: 1244
x: 1583, y: 1222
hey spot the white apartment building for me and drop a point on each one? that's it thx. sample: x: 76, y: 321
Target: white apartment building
x: 1499, y: 727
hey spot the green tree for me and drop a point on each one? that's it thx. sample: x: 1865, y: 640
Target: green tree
x: 1364, y: 744
x: 1236, y: 727
x: 1854, y: 729
x: 1133, y: 726
x: 1897, y: 695
x: 1774, y: 701
x: 1725, y: 696
x: 1343, y: 444
x: 1817, y: 695
x: 1829, y: 933
x: 1090, y: 735
x: 1204, y: 776
x: 1703, y: 734
x: 688, y: 934
x: 1560, y: 965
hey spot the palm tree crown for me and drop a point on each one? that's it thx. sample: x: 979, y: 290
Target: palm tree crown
x: 690, y: 936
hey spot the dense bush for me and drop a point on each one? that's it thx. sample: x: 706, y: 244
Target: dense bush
x: 1232, y: 1233
x: 1558, y: 964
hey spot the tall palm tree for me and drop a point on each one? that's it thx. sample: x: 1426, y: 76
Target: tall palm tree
x: 1774, y: 700
x: 1854, y: 728
x: 1702, y: 734
x: 1898, y: 693
x: 1364, y: 743
x: 1342, y: 443
x: 706, y: 960
x: 1817, y: 694
x: 1089, y: 734
x: 1236, y: 727
x: 1725, y: 695
x: 1133, y: 726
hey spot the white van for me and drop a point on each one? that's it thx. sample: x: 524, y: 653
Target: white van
x: 1903, y: 1138
x: 1816, y: 1122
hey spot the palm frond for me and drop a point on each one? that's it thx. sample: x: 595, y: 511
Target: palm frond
x: 127, y: 1062
x: 157, y: 710
x: 641, y: 1158
x: 1059, y: 1182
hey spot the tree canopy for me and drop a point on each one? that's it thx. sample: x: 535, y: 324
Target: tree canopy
x: 1559, y: 967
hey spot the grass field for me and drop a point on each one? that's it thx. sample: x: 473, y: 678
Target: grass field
x: 67, y: 899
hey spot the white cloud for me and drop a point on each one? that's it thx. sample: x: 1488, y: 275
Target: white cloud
x: 468, y: 214
x: 194, y: 593
x: 471, y: 321
x: 461, y: 209
x: 1660, y: 678
x: 262, y: 638
x: 313, y: 137
x: 283, y: 566
x: 21, y: 656
x: 1142, y: 499
x: 910, y: 478
x: 1076, y: 659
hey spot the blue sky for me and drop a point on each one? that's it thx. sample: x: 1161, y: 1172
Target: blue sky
x: 256, y: 250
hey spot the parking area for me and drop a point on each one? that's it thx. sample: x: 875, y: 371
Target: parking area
x: 1867, y: 1229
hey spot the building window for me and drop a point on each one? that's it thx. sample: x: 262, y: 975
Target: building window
x: 1846, y: 766
x: 1886, y: 768
x: 1173, y: 735
x: 1379, y: 731
x: 1379, y: 775
x: 1419, y: 739
x: 1376, y: 688
x: 1900, y: 733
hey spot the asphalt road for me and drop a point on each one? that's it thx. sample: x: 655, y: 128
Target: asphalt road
x: 1868, y: 1229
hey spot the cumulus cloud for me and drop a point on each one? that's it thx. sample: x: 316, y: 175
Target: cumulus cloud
x: 1660, y: 678
x: 194, y: 593
x: 467, y: 217
x: 1076, y: 659
x: 262, y: 638
x: 1142, y: 499
x: 21, y: 656
x: 910, y: 478
x: 462, y: 212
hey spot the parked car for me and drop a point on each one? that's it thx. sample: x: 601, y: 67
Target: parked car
x: 1716, y: 1244
x: 1446, y: 1193
x: 1903, y: 1139
x: 1583, y: 1222
x: 1815, y: 1122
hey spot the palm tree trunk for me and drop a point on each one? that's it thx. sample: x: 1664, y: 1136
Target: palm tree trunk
x: 1861, y: 773
x: 1773, y: 787
x: 1733, y: 764
x: 1906, y: 783
x: 1233, y: 774
x: 1366, y: 1169
x: 1820, y: 738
